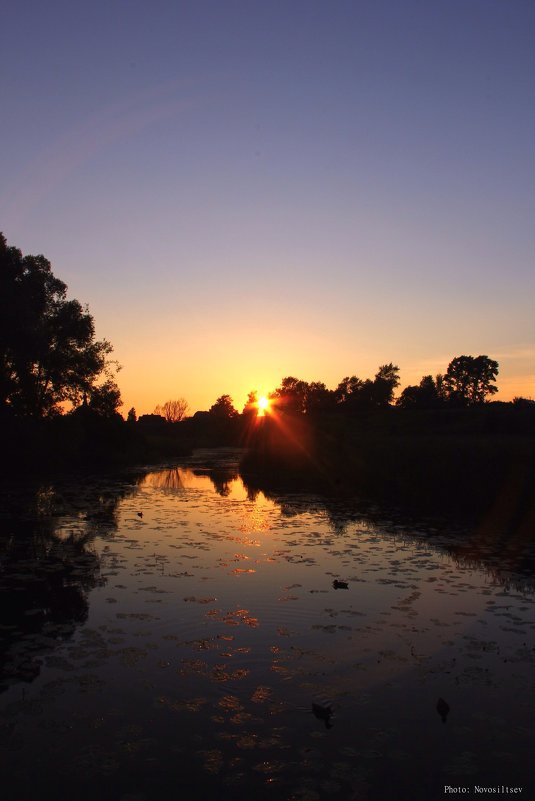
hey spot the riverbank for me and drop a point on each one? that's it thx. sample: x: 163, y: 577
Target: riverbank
x: 82, y: 441
x: 465, y: 463
x: 469, y: 462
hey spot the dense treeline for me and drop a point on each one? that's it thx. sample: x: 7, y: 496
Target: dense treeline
x: 469, y: 381
x: 470, y: 460
x: 441, y: 445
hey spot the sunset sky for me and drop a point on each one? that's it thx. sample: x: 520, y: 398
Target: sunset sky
x: 247, y: 190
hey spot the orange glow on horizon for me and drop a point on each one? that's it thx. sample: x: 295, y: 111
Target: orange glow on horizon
x: 148, y: 380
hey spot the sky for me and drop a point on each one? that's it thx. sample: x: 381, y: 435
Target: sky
x: 245, y: 190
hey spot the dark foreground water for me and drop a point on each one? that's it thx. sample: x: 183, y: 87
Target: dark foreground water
x: 171, y: 635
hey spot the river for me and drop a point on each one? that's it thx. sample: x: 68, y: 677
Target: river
x: 176, y: 634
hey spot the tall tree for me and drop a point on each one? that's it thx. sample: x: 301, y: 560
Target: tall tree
x: 385, y: 382
x: 48, y: 350
x: 470, y: 379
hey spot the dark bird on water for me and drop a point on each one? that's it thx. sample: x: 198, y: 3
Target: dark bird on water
x: 324, y: 713
x: 139, y: 514
x: 443, y: 708
x: 340, y: 585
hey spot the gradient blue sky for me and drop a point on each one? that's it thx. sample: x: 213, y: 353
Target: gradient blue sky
x: 246, y: 190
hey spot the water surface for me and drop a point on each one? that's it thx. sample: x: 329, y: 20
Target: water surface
x: 176, y: 635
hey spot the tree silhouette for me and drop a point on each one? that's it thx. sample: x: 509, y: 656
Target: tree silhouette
x: 291, y: 395
x: 348, y: 388
x: 385, y: 382
x: 223, y: 408
x: 318, y: 398
x: 105, y: 399
x: 354, y: 394
x: 173, y: 410
x: 48, y: 351
x: 469, y: 379
x: 251, y: 405
x: 426, y: 395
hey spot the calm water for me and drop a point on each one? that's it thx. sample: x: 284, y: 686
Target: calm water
x: 175, y: 636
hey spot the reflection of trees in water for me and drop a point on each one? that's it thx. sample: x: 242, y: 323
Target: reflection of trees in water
x: 93, y: 502
x: 503, y: 539
x: 49, y: 566
x: 178, y: 478
x: 168, y: 479
x: 511, y: 565
x: 44, y: 584
x: 510, y: 576
x: 221, y: 478
x: 507, y: 556
x: 293, y: 500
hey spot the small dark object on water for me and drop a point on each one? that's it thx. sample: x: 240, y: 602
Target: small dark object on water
x: 340, y: 585
x: 443, y: 708
x: 139, y: 514
x: 323, y: 713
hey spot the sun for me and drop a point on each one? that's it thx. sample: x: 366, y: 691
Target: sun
x: 263, y: 405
